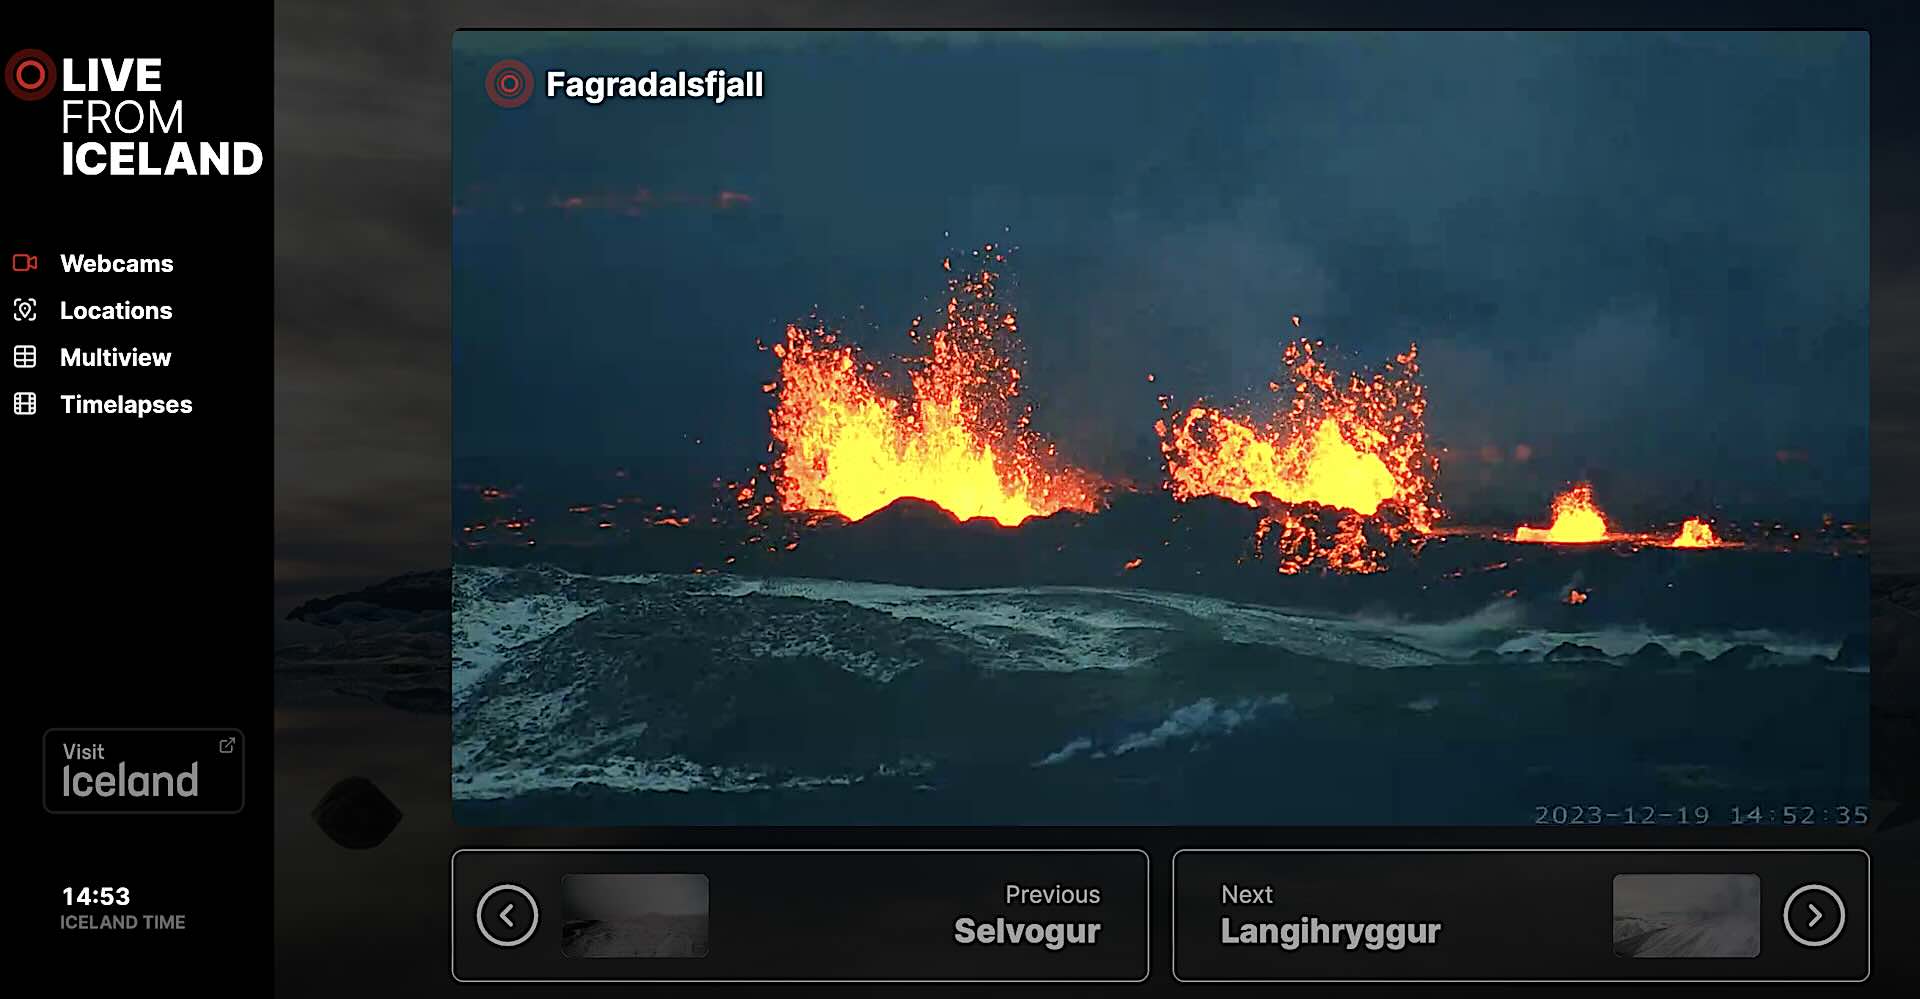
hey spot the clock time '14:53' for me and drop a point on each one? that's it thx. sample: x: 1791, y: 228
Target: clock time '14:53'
x: 97, y: 896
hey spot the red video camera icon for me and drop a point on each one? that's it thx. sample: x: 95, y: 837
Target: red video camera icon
x: 24, y: 262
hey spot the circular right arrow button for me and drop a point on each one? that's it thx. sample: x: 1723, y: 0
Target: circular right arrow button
x: 1814, y: 915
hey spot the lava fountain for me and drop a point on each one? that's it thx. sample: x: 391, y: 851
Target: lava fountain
x: 846, y: 442
x: 1345, y: 456
x: 1695, y: 533
x: 1576, y: 520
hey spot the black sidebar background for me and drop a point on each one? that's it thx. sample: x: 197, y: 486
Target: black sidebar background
x: 136, y: 545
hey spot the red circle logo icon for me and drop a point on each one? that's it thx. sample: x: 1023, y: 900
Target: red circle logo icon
x: 509, y: 83
x: 30, y: 74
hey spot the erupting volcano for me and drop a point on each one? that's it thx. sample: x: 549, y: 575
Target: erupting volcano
x: 1340, y: 474
x: 849, y: 444
x: 1238, y: 462
x: 1576, y: 520
x: 1345, y: 456
x: 1695, y: 533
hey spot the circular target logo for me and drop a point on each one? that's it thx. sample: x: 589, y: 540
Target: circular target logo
x: 30, y: 74
x: 509, y: 83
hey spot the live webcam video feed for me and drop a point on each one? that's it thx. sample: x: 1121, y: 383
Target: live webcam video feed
x: 1120, y: 429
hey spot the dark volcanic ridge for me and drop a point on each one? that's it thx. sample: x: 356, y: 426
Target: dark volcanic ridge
x: 726, y: 683
x: 389, y: 643
x: 1205, y: 546
x: 1086, y: 660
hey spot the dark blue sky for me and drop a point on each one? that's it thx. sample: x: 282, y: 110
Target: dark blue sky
x: 1643, y: 256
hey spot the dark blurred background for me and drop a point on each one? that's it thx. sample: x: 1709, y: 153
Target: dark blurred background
x: 365, y: 414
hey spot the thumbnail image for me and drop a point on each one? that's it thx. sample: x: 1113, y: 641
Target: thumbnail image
x: 1686, y: 915
x: 634, y: 915
x: 1146, y: 429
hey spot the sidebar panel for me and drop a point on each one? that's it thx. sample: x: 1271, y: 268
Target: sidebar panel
x: 137, y: 243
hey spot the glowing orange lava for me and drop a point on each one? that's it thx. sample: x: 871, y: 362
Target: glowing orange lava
x: 1355, y: 446
x: 1695, y: 533
x: 1576, y: 520
x: 1238, y: 461
x: 958, y: 438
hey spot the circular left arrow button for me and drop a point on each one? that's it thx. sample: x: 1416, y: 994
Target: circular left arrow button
x: 507, y: 915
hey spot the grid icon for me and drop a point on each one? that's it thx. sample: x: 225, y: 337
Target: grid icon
x: 25, y: 356
x: 24, y: 404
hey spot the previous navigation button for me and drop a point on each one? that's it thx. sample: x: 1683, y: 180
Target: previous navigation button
x: 507, y: 915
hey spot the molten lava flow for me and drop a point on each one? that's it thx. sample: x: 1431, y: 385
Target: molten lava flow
x: 958, y: 438
x: 1695, y: 533
x: 1356, y: 446
x: 1575, y: 520
x: 1237, y: 462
